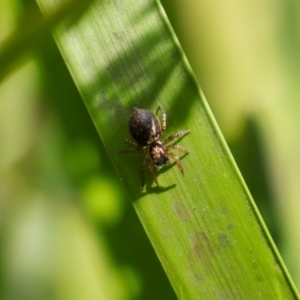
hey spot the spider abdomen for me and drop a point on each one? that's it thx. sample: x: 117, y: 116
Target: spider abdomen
x: 144, y: 126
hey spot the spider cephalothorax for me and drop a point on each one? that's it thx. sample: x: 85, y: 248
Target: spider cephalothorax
x: 146, y: 129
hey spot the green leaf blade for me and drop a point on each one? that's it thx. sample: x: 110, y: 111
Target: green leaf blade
x: 204, y: 226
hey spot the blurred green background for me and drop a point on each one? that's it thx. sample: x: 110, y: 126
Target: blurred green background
x: 67, y: 230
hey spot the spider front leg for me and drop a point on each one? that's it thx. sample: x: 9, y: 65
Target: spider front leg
x: 178, y: 162
x: 176, y: 135
x: 147, y: 162
x: 143, y: 171
x: 177, y: 147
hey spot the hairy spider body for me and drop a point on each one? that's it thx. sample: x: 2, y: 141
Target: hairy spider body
x: 146, y: 129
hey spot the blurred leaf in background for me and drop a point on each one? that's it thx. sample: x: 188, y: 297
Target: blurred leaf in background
x: 246, y: 57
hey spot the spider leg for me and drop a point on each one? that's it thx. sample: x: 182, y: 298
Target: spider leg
x: 163, y: 120
x: 137, y: 148
x: 146, y: 160
x: 130, y: 150
x: 130, y: 142
x: 151, y: 172
x: 177, y: 147
x: 178, y: 162
x: 150, y: 168
x: 176, y: 135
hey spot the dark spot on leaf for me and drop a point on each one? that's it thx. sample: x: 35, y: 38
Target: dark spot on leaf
x: 223, y: 239
x: 181, y: 211
x: 201, y: 247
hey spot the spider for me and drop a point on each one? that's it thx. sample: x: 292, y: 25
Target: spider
x: 146, y: 129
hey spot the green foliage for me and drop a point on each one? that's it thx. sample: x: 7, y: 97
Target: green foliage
x: 204, y: 227
x: 54, y: 185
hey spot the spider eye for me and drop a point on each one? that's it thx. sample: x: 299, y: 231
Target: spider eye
x: 161, y: 160
x: 158, y: 154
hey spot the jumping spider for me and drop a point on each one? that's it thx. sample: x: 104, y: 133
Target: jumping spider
x: 146, y: 129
